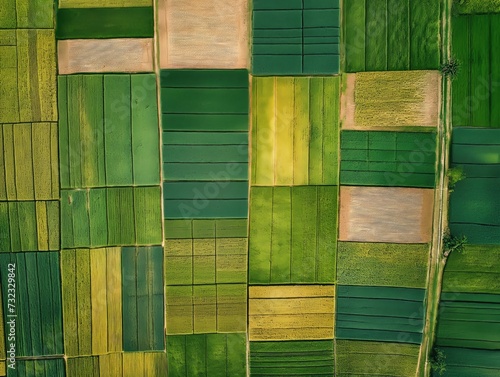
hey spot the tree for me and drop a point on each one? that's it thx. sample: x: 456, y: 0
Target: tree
x: 453, y: 243
x: 450, y: 68
x: 455, y: 175
x: 438, y: 361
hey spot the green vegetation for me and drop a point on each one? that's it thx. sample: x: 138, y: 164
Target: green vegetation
x: 453, y: 243
x: 438, y: 361
x: 455, y: 175
x: 450, y: 68
x: 476, y: 6
x: 392, y: 35
x: 404, y: 159
x: 382, y: 264
x: 293, y: 234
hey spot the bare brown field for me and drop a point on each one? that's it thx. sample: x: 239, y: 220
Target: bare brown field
x: 105, y: 55
x: 385, y: 214
x: 203, y: 34
x: 375, y: 100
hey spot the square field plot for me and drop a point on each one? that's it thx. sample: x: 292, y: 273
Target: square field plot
x: 295, y: 123
x: 392, y: 35
x: 376, y: 100
x: 293, y: 37
x: 476, y: 89
x: 474, y: 202
x: 386, y: 214
x: 203, y: 34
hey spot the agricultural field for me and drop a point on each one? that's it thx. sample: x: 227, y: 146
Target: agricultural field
x: 26, y: 14
x: 474, y: 203
x: 207, y: 228
x: 388, y: 100
x: 382, y: 264
x: 476, y: 6
x: 392, y: 35
x: 476, y: 87
x: 28, y: 71
x: 303, y: 312
x: 294, y: 135
x: 292, y: 358
x: 385, y: 214
x: 108, y: 130
x: 203, y: 35
x: 295, y: 37
x: 292, y: 234
x: 205, y: 151
x: 404, y: 159
x: 208, y: 355
x: 384, y: 314
x: 360, y: 358
x: 466, y: 362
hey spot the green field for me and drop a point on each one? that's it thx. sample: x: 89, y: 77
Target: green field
x: 292, y: 358
x: 295, y: 37
x: 475, y: 270
x: 474, y: 203
x: 37, y: 303
x: 382, y: 264
x: 469, y: 320
x: 380, y: 314
x: 404, y: 159
x: 108, y: 130
x: 208, y: 355
x: 476, y: 88
x: 360, y: 358
x: 111, y: 217
x: 391, y: 35
x: 476, y: 6
x: 293, y: 234
x: 466, y: 362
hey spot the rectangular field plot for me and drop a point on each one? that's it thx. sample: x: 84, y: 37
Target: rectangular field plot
x: 29, y: 165
x: 293, y: 234
x: 125, y: 216
x: 370, y: 158
x: 37, y: 304
x: 375, y: 100
x: 476, y: 88
x: 206, y: 228
x: 382, y: 264
x: 360, y: 358
x: 466, y: 362
x: 26, y: 14
x: 108, y: 130
x: 295, y: 131
x: 392, y: 35
x: 303, y: 312
x: 474, y: 203
x: 29, y: 226
x: 92, y: 301
x: 477, y: 6
x: 469, y: 320
x: 206, y: 355
x: 143, y: 305
x: 292, y: 358
x: 383, y: 314
x: 143, y: 364
x: 53, y: 367
x: 475, y: 271
x: 208, y: 34
x: 206, y: 261
x: 28, y: 71
x: 210, y: 308
x: 385, y: 214
x: 296, y: 37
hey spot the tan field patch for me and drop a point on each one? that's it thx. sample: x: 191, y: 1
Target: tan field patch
x: 291, y: 312
x: 105, y: 55
x: 375, y: 100
x: 386, y: 214
x: 203, y: 34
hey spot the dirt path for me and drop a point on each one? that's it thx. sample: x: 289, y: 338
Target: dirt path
x: 436, y: 262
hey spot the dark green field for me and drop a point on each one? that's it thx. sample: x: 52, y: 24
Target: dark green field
x: 391, y: 35
x: 404, y: 159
